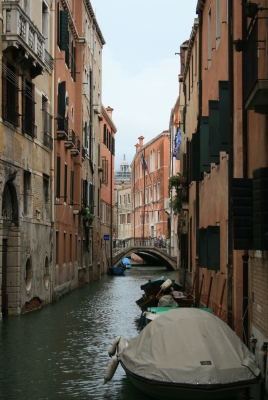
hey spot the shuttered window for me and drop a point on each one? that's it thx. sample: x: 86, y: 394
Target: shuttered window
x: 224, y: 115
x: 63, y: 34
x: 61, y: 104
x: 65, y: 182
x: 72, y: 188
x: 204, y: 145
x: 58, y: 177
x: 214, y: 133
x: 10, y: 93
x: 242, y: 213
x: 260, y: 209
x: 195, y: 157
x: 203, y: 248
x: 209, y: 248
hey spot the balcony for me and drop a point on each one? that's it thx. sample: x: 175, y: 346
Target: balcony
x: 48, y: 141
x: 62, y: 129
x: 29, y: 127
x: 76, y: 149
x: 255, y: 83
x: 70, y: 140
x: 27, y: 42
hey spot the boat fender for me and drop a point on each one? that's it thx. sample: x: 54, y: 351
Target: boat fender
x: 109, y: 373
x: 112, y: 349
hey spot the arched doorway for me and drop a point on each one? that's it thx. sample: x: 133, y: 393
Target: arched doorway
x: 10, y: 249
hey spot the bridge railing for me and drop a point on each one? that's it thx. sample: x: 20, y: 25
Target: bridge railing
x: 120, y: 245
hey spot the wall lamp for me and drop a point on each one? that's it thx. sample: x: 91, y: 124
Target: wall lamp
x: 251, y: 9
x: 238, y: 44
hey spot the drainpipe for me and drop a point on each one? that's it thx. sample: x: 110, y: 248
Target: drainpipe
x: 230, y: 171
x: 245, y: 257
x: 197, y: 296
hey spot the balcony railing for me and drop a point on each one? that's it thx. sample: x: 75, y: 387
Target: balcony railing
x: 76, y: 149
x: 48, y: 140
x: 20, y: 31
x: 49, y: 61
x: 29, y: 127
x: 62, y: 129
x: 11, y: 115
x: 70, y: 140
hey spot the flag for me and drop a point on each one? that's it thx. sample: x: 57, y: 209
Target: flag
x: 178, y: 143
x: 144, y: 165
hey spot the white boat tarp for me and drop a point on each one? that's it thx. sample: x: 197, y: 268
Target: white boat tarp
x: 189, y: 346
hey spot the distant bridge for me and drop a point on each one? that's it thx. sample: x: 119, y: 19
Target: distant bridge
x: 148, y: 249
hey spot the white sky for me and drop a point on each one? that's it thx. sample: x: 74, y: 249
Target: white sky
x: 140, y: 68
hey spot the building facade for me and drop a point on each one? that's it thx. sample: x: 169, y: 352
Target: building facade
x: 26, y: 160
x: 107, y: 152
x: 150, y: 168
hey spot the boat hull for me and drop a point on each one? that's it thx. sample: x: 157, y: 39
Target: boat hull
x: 162, y: 391
x: 116, y: 271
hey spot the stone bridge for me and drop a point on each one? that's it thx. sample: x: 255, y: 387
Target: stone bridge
x: 148, y: 249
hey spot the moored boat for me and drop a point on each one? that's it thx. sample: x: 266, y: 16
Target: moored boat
x: 153, y: 287
x: 116, y: 270
x: 187, y: 353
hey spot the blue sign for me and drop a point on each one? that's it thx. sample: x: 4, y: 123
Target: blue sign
x: 106, y: 237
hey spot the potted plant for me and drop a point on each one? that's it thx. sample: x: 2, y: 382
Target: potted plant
x: 100, y: 169
x: 86, y: 214
x: 178, y: 179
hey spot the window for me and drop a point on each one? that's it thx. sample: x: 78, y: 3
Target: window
x: 128, y: 198
x: 46, y: 199
x: 71, y: 248
x: 65, y: 182
x: 155, y: 198
x: 47, y: 124
x: 72, y: 188
x: 45, y: 23
x: 28, y: 108
x: 10, y: 92
x: 152, y: 161
x: 158, y: 190
x: 158, y: 160
x: 58, y: 177
x: 140, y: 198
x: 218, y: 23
x: 73, y: 63
x: 209, y: 37
x: 128, y: 218
x: 63, y: 34
x: 26, y: 191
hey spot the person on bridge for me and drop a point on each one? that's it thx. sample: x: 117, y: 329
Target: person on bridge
x: 160, y: 240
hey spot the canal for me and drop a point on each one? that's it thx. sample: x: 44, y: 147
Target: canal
x: 61, y: 351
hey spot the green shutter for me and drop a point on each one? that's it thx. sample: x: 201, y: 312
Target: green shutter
x: 260, y: 209
x: 203, y: 248
x: 113, y: 152
x: 195, y: 157
x: 58, y: 177
x: 104, y: 133
x: 61, y: 101
x: 98, y: 154
x: 63, y: 30
x: 204, y: 145
x: 242, y: 213
x: 214, y: 133
x: 213, y: 238
x: 65, y: 182
x: 91, y: 198
x: 224, y: 115
x: 74, y: 64
x: 67, y: 52
x: 72, y: 188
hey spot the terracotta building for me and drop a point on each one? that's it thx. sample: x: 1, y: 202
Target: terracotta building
x: 150, y: 169
x: 224, y: 152
x: 107, y: 152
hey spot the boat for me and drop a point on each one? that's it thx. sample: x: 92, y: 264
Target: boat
x: 152, y: 287
x: 185, y: 353
x: 117, y: 270
x: 126, y: 262
x: 183, y: 299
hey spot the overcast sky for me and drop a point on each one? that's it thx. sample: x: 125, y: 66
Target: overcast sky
x: 140, y: 68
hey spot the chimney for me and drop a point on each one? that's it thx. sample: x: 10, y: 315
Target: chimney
x: 110, y: 111
x: 137, y: 147
x: 141, y: 140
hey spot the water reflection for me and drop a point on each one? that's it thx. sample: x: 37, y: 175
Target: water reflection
x: 60, y: 352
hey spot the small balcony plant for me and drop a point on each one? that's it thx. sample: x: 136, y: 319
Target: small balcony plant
x: 178, y: 179
x: 86, y: 214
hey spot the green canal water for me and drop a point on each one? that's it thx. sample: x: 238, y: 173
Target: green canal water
x: 61, y: 351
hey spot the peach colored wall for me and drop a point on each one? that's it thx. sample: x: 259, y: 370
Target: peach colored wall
x: 140, y: 182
